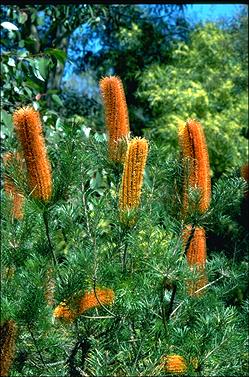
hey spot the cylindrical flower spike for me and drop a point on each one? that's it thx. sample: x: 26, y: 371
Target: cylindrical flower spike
x: 7, y: 342
x: 244, y: 218
x: 10, y: 188
x: 116, y: 116
x: 62, y: 311
x: 93, y: 299
x: 132, y: 179
x: 49, y: 287
x: 194, y: 240
x: 28, y: 127
x: 244, y: 172
x: 196, y: 163
x: 90, y: 300
x: 174, y: 364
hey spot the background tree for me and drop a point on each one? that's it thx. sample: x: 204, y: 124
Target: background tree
x: 34, y: 56
x: 205, y: 79
x: 127, y: 40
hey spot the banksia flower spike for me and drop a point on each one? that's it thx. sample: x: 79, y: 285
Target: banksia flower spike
x: 116, y: 116
x: 132, y: 179
x: 49, y: 287
x: 95, y: 299
x: 174, y: 364
x: 90, y: 300
x: 195, y: 244
x: 196, y: 163
x: 7, y: 341
x: 244, y: 172
x: 10, y: 187
x: 62, y: 311
x: 28, y: 127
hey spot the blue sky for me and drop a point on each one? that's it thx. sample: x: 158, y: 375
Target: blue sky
x: 210, y: 12
x: 194, y: 13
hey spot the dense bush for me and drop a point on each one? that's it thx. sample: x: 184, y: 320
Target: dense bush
x: 89, y: 289
x: 205, y: 80
x: 83, y: 233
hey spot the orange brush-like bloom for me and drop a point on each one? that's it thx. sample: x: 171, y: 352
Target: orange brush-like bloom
x: 174, y: 364
x: 10, y: 187
x: 90, y: 300
x: 62, y: 311
x: 28, y: 127
x: 132, y: 179
x: 7, y: 342
x: 116, y: 116
x: 196, y: 163
x: 194, y: 240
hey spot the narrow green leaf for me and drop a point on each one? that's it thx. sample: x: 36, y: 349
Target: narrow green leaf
x: 58, y: 54
x: 57, y: 100
x: 33, y: 85
x: 7, y: 118
x: 36, y: 69
x: 42, y: 66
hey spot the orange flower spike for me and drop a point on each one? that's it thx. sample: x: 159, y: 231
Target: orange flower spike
x: 116, y: 116
x: 89, y: 301
x: 132, y: 179
x: 10, y: 187
x: 7, y: 343
x: 62, y: 311
x: 195, y: 241
x: 28, y: 127
x: 194, y: 150
x: 175, y: 364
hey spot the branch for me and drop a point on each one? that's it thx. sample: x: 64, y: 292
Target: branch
x: 198, y: 290
x: 36, y: 346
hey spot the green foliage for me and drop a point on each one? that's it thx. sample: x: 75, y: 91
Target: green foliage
x: 76, y: 242
x: 34, y: 41
x: 92, y: 248
x: 128, y: 39
x: 205, y: 80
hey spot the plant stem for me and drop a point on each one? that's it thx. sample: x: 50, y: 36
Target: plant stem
x: 45, y: 218
x: 36, y: 346
x: 124, y: 259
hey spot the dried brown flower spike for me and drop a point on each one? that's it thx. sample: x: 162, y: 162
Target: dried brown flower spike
x: 49, y: 287
x: 28, y: 128
x: 116, y: 116
x: 7, y: 346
